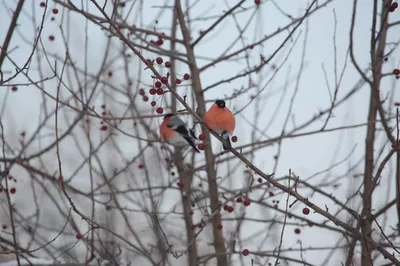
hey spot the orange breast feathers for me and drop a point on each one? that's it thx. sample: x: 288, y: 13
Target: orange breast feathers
x: 165, y: 132
x: 220, y: 119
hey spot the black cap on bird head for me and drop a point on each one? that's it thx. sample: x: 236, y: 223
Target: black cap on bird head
x: 168, y: 116
x: 220, y: 103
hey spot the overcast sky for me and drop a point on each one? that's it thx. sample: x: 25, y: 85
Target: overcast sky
x: 305, y: 156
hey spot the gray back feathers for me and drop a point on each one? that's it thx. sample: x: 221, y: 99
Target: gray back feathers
x: 174, y: 122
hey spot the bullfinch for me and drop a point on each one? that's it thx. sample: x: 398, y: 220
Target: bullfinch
x: 220, y: 119
x: 174, y: 131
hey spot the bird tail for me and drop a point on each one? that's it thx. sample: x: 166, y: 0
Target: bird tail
x: 191, y: 143
x: 225, y: 135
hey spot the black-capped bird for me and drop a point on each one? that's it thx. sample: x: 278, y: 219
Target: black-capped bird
x: 174, y: 131
x: 220, y: 119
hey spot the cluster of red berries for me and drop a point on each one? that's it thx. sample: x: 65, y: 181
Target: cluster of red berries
x: 246, y: 202
x: 228, y: 208
x: 157, y: 89
x: 55, y: 12
x: 201, y: 146
x: 104, y: 113
x: 142, y: 92
x: 393, y: 6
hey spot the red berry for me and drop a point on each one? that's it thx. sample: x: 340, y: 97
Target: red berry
x: 164, y: 80
x: 159, y: 60
x: 395, y: 5
x: 152, y: 91
x: 168, y: 64
x: 257, y: 2
x: 186, y: 76
x: 4, y: 227
x: 141, y: 166
x: 104, y: 128
x: 110, y: 73
x: 157, y: 84
x: 246, y: 202
x: 178, y: 81
x: 153, y: 103
x: 14, y: 88
x: 160, y: 91
x: 55, y: 11
x: 159, y: 110
x: 391, y: 8
x: 78, y: 236
x: 201, y: 146
x: 219, y: 226
x: 245, y: 252
x: 13, y: 190
x: 271, y: 194
x: 103, y: 106
x: 306, y: 211
x: 239, y: 199
x: 181, y: 185
x: 145, y: 98
x: 42, y: 4
x: 159, y: 42
x: 297, y: 231
x: 259, y: 180
x: 396, y: 71
x: 230, y: 209
x: 202, y: 137
x: 190, y: 212
x: 104, y: 113
x: 234, y: 139
x: 142, y: 92
x: 51, y: 38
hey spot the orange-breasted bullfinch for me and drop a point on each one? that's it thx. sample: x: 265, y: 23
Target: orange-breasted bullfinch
x: 174, y: 131
x: 220, y: 119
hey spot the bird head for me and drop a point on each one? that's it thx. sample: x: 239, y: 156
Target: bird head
x: 168, y: 116
x: 220, y: 103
